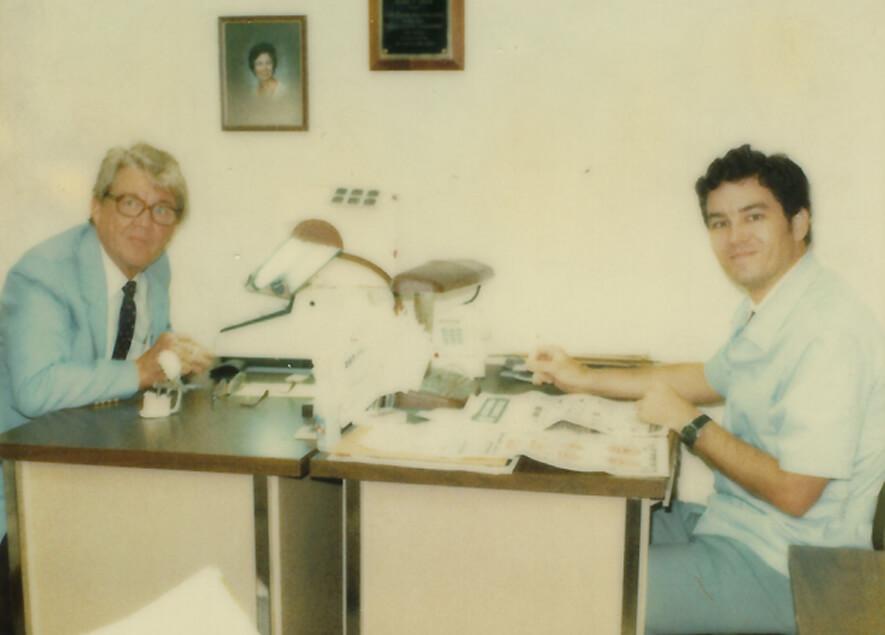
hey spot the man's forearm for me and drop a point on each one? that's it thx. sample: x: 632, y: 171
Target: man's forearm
x: 753, y: 469
x: 757, y: 472
x: 633, y: 383
x: 69, y: 385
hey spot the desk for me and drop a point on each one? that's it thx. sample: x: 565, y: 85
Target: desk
x: 838, y: 590
x: 107, y: 511
x: 541, y: 550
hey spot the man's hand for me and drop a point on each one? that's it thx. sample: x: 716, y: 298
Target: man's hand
x: 194, y: 358
x: 663, y: 406
x: 552, y: 365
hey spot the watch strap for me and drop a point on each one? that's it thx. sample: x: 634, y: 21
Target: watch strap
x: 692, y: 431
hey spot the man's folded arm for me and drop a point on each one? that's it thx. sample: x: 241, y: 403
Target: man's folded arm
x: 69, y: 385
x: 48, y: 370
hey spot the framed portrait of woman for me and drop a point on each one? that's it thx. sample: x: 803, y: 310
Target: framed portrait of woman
x: 263, y: 63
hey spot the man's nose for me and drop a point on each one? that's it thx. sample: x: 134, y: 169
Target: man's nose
x: 144, y: 219
x: 737, y: 233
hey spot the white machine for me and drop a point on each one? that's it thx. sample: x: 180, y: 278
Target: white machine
x: 327, y: 294
x: 323, y: 292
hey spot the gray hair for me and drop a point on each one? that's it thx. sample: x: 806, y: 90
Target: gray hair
x: 161, y: 166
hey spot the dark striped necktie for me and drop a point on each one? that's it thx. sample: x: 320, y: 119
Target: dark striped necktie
x: 126, y: 325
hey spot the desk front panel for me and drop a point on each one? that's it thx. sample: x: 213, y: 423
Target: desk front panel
x: 441, y: 560
x: 99, y: 543
x: 111, y: 510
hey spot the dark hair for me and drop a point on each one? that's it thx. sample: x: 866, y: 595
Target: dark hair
x: 258, y: 49
x: 780, y: 174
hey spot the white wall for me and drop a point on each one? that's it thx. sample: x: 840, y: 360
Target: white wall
x: 564, y: 155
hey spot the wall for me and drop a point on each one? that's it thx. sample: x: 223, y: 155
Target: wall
x: 564, y: 155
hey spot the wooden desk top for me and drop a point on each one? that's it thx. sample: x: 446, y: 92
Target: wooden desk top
x: 529, y: 476
x: 206, y: 435
x: 224, y: 436
x: 838, y: 590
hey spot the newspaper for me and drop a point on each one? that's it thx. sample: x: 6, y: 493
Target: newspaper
x: 574, y: 432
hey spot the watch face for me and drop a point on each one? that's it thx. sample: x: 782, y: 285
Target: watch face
x: 689, y: 435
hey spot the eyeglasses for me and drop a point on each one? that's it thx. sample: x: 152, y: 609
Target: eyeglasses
x: 131, y: 206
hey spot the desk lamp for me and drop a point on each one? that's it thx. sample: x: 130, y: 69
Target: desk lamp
x: 429, y: 281
x: 313, y: 244
x: 288, y: 337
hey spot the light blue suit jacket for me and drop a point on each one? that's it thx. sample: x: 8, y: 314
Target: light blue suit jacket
x: 53, y: 330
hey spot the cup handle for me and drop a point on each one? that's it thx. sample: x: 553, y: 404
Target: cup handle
x: 176, y: 401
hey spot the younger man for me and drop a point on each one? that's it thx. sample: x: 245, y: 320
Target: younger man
x: 799, y: 455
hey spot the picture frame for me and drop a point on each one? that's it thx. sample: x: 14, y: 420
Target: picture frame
x: 263, y: 63
x: 416, y: 35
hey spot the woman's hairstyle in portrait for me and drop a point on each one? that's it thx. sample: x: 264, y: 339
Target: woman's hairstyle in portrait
x: 258, y: 49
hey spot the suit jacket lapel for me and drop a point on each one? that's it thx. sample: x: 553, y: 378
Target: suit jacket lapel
x: 94, y: 288
x: 159, y: 298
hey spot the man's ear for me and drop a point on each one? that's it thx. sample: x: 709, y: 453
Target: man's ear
x: 800, y: 224
x: 95, y: 209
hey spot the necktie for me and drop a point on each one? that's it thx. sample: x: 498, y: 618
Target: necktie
x: 126, y: 325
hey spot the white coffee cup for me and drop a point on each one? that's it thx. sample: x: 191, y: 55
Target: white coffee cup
x: 160, y: 404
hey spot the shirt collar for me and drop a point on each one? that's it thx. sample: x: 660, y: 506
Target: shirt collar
x: 114, y: 277
x: 754, y: 307
x: 771, y: 313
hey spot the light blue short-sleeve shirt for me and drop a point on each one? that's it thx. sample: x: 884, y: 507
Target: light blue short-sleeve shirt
x: 804, y: 381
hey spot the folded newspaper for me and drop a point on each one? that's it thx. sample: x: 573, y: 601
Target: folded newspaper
x: 574, y: 432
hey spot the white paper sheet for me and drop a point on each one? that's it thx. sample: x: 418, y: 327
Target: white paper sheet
x: 535, y: 410
x: 572, y: 432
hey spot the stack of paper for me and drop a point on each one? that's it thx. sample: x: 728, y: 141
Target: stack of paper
x: 575, y: 432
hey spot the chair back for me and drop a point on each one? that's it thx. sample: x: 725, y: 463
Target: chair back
x: 879, y: 522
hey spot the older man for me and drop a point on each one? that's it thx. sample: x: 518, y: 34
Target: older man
x: 85, y: 314
x: 800, y: 453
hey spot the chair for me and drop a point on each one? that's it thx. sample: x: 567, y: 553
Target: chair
x: 201, y: 604
x: 838, y: 590
x: 879, y: 522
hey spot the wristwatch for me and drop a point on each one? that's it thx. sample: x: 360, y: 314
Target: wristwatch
x: 692, y: 431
